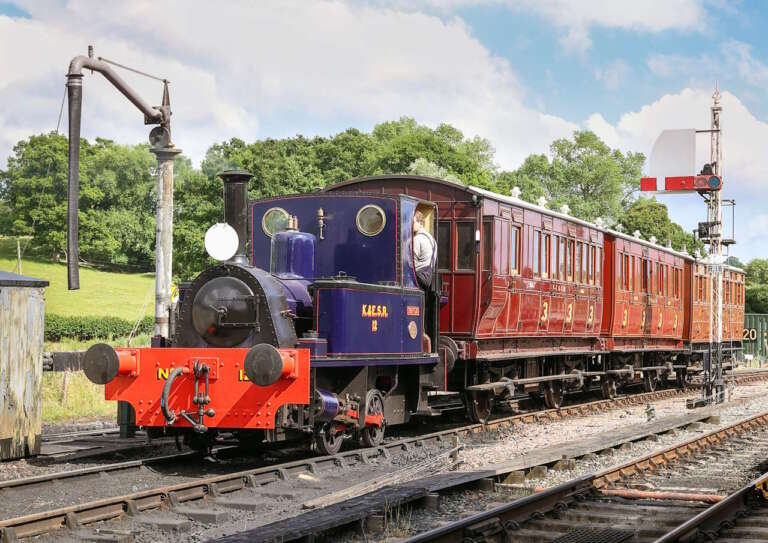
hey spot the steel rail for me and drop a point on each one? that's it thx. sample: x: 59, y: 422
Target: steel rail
x: 719, y: 516
x: 509, y: 516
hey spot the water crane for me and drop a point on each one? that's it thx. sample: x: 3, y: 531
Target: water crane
x: 161, y: 146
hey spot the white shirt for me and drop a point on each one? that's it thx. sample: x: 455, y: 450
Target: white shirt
x: 424, y: 249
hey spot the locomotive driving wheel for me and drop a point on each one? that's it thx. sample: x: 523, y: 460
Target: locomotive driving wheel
x: 608, y: 386
x: 329, y: 438
x: 553, y: 393
x: 479, y: 405
x: 372, y: 436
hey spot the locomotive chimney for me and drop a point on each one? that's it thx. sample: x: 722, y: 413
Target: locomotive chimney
x: 236, y: 208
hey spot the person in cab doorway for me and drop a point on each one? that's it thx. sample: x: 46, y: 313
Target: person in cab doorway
x: 424, y: 252
x: 424, y: 259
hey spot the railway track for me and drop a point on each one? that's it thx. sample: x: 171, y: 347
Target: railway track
x: 151, y: 473
x: 693, y: 491
x: 439, y: 499
x: 154, y: 497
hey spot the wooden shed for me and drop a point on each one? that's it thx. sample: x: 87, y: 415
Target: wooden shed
x: 22, y: 314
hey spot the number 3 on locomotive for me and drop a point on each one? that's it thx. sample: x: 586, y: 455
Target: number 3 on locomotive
x: 569, y: 316
x: 591, y: 316
x: 545, y: 311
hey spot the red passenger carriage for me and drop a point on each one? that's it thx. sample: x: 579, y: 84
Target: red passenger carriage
x: 540, y: 302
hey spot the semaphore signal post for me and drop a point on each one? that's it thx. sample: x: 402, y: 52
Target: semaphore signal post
x: 674, y: 153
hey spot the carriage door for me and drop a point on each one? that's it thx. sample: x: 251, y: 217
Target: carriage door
x: 444, y: 268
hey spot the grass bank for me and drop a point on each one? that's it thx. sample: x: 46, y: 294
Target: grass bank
x: 70, y: 397
x: 125, y: 295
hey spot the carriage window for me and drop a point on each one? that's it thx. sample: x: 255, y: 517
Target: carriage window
x: 444, y: 245
x: 659, y: 278
x: 620, y: 272
x: 569, y: 260
x: 514, y: 250
x: 644, y: 271
x: 536, y: 253
x: 633, y: 281
x: 627, y: 273
x: 584, y: 255
x: 553, y: 257
x: 274, y: 220
x: 465, y: 246
x: 487, y: 245
x: 590, y: 264
x: 561, y: 258
x: 599, y: 265
x: 545, y: 255
x: 677, y: 283
x: 577, y: 262
x: 371, y: 220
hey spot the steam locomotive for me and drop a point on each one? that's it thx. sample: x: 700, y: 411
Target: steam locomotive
x: 321, y: 330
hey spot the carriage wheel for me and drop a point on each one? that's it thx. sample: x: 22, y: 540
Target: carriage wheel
x: 608, y: 387
x: 479, y: 405
x: 328, y: 438
x: 372, y: 436
x: 681, y: 376
x: 553, y: 393
x: 650, y: 381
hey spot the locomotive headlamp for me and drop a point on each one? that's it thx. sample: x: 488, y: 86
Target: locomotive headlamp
x: 265, y: 365
x: 221, y: 241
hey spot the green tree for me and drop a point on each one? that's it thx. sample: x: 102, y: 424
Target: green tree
x: 116, y: 199
x: 651, y: 218
x: 584, y: 173
x: 756, y: 287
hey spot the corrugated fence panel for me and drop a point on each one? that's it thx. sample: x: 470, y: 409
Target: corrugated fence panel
x: 755, y: 338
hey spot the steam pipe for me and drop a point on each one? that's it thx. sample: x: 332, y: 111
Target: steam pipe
x: 153, y: 115
x: 75, y: 96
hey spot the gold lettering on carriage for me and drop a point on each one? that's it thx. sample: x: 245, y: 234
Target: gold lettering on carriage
x: 375, y: 311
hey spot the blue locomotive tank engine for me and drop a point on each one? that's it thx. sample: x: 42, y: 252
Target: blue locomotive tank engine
x: 330, y: 275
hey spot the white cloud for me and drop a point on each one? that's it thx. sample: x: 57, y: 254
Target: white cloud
x: 680, y: 65
x: 738, y: 56
x: 744, y: 138
x: 613, y: 74
x: 235, y: 70
x: 576, y: 18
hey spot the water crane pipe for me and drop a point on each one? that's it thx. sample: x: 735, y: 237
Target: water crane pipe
x: 160, y: 138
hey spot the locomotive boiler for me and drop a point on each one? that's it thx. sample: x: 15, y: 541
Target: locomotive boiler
x: 319, y: 331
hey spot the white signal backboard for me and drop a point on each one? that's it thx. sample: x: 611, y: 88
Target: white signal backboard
x: 673, y: 154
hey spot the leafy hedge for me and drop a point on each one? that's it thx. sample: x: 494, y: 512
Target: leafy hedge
x: 83, y: 328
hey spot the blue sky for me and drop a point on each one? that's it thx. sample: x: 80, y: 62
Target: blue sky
x: 518, y: 72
